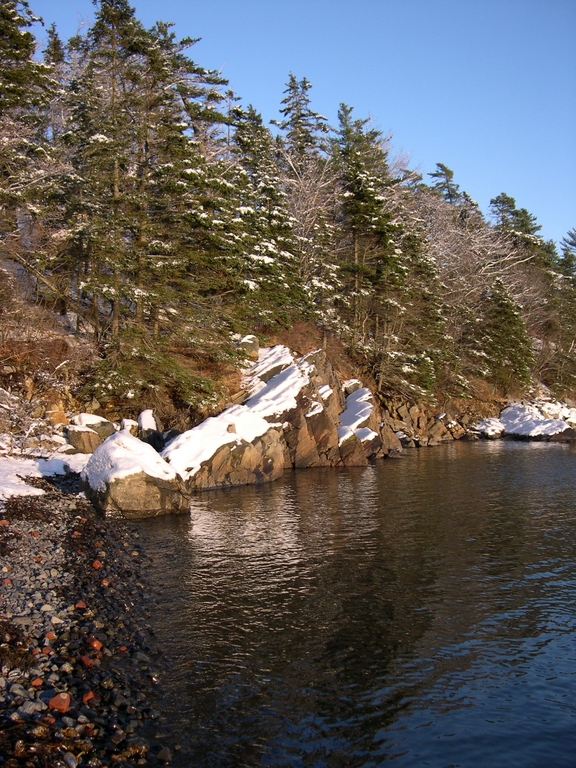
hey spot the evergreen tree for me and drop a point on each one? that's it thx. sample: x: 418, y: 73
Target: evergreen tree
x: 568, y: 257
x: 364, y: 225
x: 271, y: 243
x: 497, y: 340
x: 445, y: 185
x: 26, y: 165
x: 512, y: 219
x: 23, y: 81
x: 302, y: 127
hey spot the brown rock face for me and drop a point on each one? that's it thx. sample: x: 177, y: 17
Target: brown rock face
x: 243, y: 463
x: 55, y: 414
x: 352, y: 452
x: 83, y: 439
x: 140, y: 495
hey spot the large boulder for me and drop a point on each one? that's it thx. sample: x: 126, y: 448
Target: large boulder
x: 125, y: 475
x: 236, y: 447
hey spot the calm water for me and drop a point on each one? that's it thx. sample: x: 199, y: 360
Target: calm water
x: 420, y: 612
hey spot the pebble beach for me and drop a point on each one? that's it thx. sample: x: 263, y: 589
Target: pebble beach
x: 77, y: 657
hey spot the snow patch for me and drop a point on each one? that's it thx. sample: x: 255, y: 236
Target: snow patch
x: 13, y: 470
x: 146, y: 421
x: 86, y: 419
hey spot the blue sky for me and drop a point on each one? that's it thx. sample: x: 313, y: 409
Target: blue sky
x: 487, y: 87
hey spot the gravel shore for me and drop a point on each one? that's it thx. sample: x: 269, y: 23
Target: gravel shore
x: 77, y: 657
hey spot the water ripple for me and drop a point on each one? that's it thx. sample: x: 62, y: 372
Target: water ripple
x: 421, y: 611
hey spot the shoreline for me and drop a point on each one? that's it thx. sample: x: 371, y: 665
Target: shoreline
x: 77, y: 657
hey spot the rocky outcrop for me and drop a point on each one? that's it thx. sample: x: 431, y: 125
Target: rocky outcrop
x: 416, y: 425
x: 296, y: 414
x: 236, y: 447
x: 125, y: 475
x: 243, y: 463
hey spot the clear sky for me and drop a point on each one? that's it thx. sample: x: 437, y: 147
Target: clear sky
x: 487, y: 87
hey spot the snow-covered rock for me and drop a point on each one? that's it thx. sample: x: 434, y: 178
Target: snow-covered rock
x: 237, y: 447
x: 529, y: 421
x: 83, y: 439
x: 97, y: 424
x: 125, y: 475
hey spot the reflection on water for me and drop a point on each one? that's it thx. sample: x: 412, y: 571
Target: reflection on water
x: 420, y: 610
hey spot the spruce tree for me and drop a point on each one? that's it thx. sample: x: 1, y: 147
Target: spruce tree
x: 365, y: 243
x: 307, y: 180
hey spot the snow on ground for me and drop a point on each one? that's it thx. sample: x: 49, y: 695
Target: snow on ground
x: 122, y: 455
x: 186, y: 452
x: 528, y: 420
x: 13, y: 470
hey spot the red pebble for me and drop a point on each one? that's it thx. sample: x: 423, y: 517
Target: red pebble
x: 46, y: 650
x: 80, y: 604
x: 49, y: 719
x: 37, y: 682
x: 4, y: 522
x: 7, y: 581
x: 88, y: 696
x: 105, y: 583
x: 50, y: 635
x: 94, y: 642
x: 87, y: 661
x: 97, y: 564
x: 37, y: 559
x: 76, y: 533
x: 35, y: 534
x: 122, y: 648
x: 60, y: 702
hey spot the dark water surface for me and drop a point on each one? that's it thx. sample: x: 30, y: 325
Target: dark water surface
x: 420, y: 612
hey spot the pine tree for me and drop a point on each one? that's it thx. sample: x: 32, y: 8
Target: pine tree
x: 568, y: 258
x: 26, y: 165
x: 512, y: 219
x: 271, y: 244
x: 23, y: 81
x: 445, y: 185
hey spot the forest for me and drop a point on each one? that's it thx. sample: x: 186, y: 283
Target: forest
x: 141, y: 199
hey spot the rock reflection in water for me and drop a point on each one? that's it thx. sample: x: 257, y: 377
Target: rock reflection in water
x: 420, y: 610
